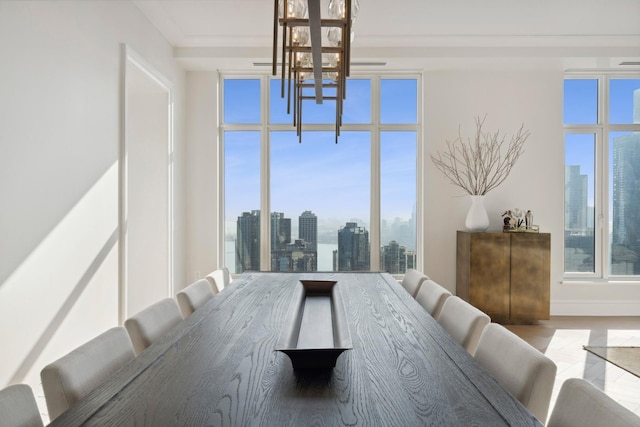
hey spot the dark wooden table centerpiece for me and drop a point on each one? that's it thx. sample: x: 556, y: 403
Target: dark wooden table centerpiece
x: 317, y: 332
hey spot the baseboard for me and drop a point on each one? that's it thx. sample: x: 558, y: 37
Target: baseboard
x: 595, y: 308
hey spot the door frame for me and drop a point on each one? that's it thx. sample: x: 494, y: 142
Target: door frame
x: 131, y: 57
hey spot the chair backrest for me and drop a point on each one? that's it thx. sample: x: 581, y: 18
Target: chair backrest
x: 194, y: 296
x: 580, y: 404
x: 431, y: 296
x: 227, y: 276
x: 152, y: 323
x: 71, y: 377
x: 463, y: 321
x: 18, y: 407
x: 524, y: 371
x: 216, y: 280
x: 412, y: 281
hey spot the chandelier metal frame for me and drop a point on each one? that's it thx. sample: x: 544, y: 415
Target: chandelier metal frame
x: 327, y: 78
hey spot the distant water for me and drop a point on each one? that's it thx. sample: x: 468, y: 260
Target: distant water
x: 230, y: 255
x: 325, y: 255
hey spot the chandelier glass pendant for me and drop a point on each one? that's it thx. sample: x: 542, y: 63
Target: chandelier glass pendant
x: 310, y: 60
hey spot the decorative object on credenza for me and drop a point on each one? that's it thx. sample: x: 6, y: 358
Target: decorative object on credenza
x: 316, y: 332
x: 518, y: 220
x: 479, y: 165
x: 477, y: 218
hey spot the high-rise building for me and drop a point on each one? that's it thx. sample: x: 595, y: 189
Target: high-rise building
x: 248, y: 241
x: 280, y: 231
x: 625, y: 237
x: 411, y: 259
x: 353, y: 248
x: 392, y: 258
x: 296, y: 257
x: 575, y: 200
x: 396, y: 259
x: 578, y: 221
x: 308, y: 228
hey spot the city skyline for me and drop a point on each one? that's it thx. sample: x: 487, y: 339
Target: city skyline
x: 624, y: 220
x: 396, y: 259
x: 398, y: 229
x: 352, y: 247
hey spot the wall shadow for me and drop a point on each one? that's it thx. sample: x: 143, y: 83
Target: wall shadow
x: 44, y: 339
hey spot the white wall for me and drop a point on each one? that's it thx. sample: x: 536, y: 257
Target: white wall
x: 147, y: 150
x: 509, y: 97
x: 202, y: 174
x: 59, y: 132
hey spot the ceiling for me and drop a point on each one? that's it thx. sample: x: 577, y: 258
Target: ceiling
x: 210, y: 34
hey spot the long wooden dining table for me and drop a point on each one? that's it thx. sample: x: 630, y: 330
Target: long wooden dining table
x: 220, y: 367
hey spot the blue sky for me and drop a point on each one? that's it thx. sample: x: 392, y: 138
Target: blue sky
x: 581, y: 107
x: 332, y: 180
x: 581, y: 101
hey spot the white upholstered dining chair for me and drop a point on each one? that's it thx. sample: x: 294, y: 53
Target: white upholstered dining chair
x: 431, y: 296
x: 412, y: 281
x: 18, y: 407
x: 71, y: 377
x: 580, y: 404
x: 227, y: 276
x: 147, y: 326
x: 524, y: 371
x: 217, y: 280
x: 463, y: 321
x: 194, y: 296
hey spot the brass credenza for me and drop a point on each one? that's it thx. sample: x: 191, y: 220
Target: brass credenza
x: 506, y: 275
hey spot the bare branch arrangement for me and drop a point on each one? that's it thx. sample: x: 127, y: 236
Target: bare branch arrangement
x: 479, y: 165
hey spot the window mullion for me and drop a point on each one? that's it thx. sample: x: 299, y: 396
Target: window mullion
x: 602, y: 179
x: 221, y: 181
x: 420, y: 174
x: 265, y: 179
x: 375, y: 227
x: 601, y: 205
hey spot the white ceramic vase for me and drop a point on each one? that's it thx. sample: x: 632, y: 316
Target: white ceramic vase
x: 477, y: 218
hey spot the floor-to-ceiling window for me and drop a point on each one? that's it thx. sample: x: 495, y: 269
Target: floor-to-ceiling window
x: 329, y: 206
x: 602, y: 176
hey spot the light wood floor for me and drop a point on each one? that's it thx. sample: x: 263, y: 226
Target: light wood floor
x: 562, y: 338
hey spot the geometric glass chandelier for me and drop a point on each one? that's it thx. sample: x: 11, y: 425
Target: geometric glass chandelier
x: 315, y: 53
